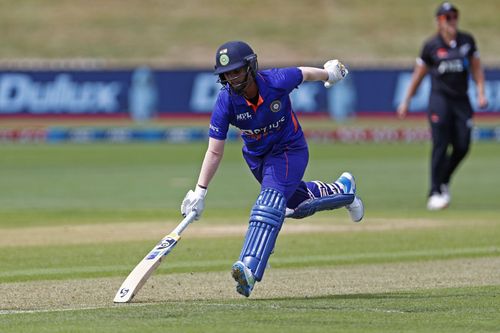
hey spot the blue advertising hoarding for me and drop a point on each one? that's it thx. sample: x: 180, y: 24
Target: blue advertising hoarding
x: 143, y: 93
x: 63, y: 92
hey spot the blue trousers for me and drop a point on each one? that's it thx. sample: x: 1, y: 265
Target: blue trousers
x: 282, y: 169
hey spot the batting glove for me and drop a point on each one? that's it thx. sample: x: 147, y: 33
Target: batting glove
x: 336, y: 72
x: 194, y: 201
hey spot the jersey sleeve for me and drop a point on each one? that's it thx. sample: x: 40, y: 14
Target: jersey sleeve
x: 219, y: 122
x: 425, y: 54
x: 473, y: 49
x: 286, y: 78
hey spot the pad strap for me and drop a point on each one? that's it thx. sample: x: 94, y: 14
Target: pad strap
x: 265, y: 224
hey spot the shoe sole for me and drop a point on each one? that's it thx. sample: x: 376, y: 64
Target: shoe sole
x: 433, y: 209
x: 240, y: 290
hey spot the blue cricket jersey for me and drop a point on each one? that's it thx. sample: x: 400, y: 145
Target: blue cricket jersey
x: 266, y: 125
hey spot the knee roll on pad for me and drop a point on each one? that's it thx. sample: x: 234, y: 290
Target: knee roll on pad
x: 265, y: 224
x: 311, y: 206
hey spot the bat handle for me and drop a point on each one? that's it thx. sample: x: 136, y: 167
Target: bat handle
x: 184, y: 223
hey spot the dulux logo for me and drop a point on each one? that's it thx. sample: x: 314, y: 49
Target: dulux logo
x: 206, y: 89
x: 20, y: 92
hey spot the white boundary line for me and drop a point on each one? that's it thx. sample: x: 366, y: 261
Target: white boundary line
x: 113, y: 306
x: 229, y: 305
x: 13, y: 312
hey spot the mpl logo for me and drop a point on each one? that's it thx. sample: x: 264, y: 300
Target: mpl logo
x: 21, y: 93
x: 243, y: 116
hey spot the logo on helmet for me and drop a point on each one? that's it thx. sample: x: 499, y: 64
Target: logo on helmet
x: 224, y: 59
x: 275, y: 106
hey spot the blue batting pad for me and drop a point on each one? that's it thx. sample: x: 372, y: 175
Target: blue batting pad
x: 265, y: 224
x: 311, y: 206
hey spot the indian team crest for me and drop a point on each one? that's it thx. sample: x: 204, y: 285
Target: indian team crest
x: 275, y: 106
x: 224, y: 59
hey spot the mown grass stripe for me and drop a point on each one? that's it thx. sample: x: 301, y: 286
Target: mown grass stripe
x: 206, y: 264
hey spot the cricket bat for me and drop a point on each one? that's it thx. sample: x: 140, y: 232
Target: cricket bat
x: 141, y: 273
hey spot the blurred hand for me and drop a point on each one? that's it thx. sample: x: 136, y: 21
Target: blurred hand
x: 194, y: 201
x: 482, y: 101
x: 402, y: 110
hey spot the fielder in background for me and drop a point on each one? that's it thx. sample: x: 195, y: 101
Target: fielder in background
x: 274, y: 147
x: 449, y: 56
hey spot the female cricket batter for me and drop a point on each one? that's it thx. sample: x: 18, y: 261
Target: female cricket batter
x: 274, y: 147
x: 449, y: 56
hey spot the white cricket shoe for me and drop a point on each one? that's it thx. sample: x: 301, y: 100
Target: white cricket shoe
x: 445, y: 192
x: 356, y: 210
x: 437, y: 202
x: 348, y: 184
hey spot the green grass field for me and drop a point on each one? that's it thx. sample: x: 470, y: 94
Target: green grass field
x: 75, y: 219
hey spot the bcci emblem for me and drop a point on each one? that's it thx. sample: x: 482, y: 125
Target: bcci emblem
x: 276, y: 106
x: 224, y: 59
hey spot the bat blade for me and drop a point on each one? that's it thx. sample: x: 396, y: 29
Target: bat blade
x: 141, y: 273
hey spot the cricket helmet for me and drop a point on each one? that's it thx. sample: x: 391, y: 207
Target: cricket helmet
x: 233, y: 55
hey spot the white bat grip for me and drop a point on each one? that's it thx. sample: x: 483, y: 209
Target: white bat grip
x: 184, y: 223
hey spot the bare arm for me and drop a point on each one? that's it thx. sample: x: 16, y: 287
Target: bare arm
x: 195, y: 200
x: 313, y: 74
x: 478, y: 76
x: 211, y: 162
x: 418, y: 74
